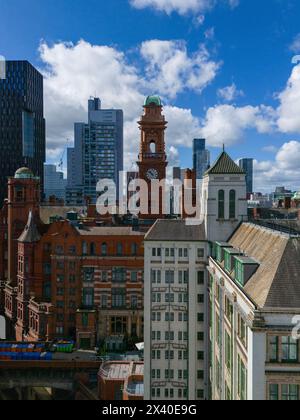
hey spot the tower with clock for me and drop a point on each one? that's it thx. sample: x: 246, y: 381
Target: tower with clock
x: 152, y: 161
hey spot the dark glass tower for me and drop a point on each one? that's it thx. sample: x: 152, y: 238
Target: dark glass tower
x: 22, y: 124
x: 247, y: 166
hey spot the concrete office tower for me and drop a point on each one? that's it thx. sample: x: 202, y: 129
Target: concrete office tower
x: 97, y: 153
x: 176, y: 312
x: 22, y: 124
x: 55, y: 184
x: 247, y: 166
x: 201, y: 157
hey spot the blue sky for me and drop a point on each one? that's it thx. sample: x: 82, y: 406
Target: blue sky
x: 223, y: 68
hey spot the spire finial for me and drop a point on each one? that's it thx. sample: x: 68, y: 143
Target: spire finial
x: 223, y: 147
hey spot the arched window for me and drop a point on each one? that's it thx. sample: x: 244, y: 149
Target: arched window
x: 134, y: 249
x: 221, y: 204
x: 152, y: 147
x: 119, y: 249
x: 93, y: 249
x: 104, y: 249
x: 232, y: 204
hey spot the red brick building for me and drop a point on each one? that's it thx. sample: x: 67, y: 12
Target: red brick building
x: 67, y: 279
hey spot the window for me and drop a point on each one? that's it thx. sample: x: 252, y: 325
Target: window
x: 221, y: 202
x: 93, y: 249
x: 134, y: 249
x: 232, y: 204
x: 104, y: 250
x: 84, y: 248
x: 200, y: 298
x: 47, y: 290
x: 228, y: 351
x: 134, y: 302
x: 228, y: 309
x: 274, y: 392
x: 290, y: 392
x: 88, y: 274
x: 170, y: 275
x: 88, y: 297
x: 242, y: 331
x: 118, y: 298
x: 104, y: 301
x: 200, y: 336
x: 119, y: 275
x: 242, y: 380
x: 200, y: 278
x: 134, y: 276
x: 47, y: 269
x: 289, y: 350
x: 119, y: 250
x: 200, y: 317
x: 201, y: 253
x: 274, y: 349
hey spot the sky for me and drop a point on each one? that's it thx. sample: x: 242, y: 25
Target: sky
x: 226, y: 70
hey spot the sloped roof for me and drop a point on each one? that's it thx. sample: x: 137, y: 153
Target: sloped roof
x: 225, y: 165
x: 175, y: 230
x: 30, y: 233
x: 276, y: 283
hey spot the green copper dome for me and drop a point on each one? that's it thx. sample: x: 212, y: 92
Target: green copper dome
x: 24, y: 173
x: 153, y: 100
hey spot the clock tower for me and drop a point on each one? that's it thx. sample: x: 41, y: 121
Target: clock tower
x: 152, y: 158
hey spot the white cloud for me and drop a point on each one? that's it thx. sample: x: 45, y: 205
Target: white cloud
x: 182, y: 7
x: 170, y: 69
x: 289, y: 109
x: 230, y: 93
x: 295, y: 46
x: 227, y: 123
x: 119, y: 84
x: 282, y: 171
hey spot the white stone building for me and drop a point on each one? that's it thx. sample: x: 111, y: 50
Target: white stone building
x: 255, y: 297
x: 176, y: 312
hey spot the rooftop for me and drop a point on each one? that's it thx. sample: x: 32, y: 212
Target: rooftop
x: 175, y: 230
x: 225, y: 165
x: 121, y: 370
x: 276, y: 283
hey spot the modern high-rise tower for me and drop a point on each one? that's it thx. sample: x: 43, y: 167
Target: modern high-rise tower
x: 201, y: 157
x: 98, y: 151
x: 22, y: 124
x: 247, y: 166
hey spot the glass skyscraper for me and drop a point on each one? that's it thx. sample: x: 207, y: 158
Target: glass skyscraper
x: 22, y: 124
x: 247, y: 166
x: 98, y: 152
x: 201, y: 157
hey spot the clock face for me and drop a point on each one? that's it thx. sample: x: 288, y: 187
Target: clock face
x: 152, y: 174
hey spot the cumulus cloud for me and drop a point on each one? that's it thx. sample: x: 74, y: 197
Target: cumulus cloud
x: 182, y: 7
x: 120, y: 85
x: 282, y: 171
x: 227, y: 123
x: 230, y: 93
x: 289, y: 109
x: 170, y: 69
